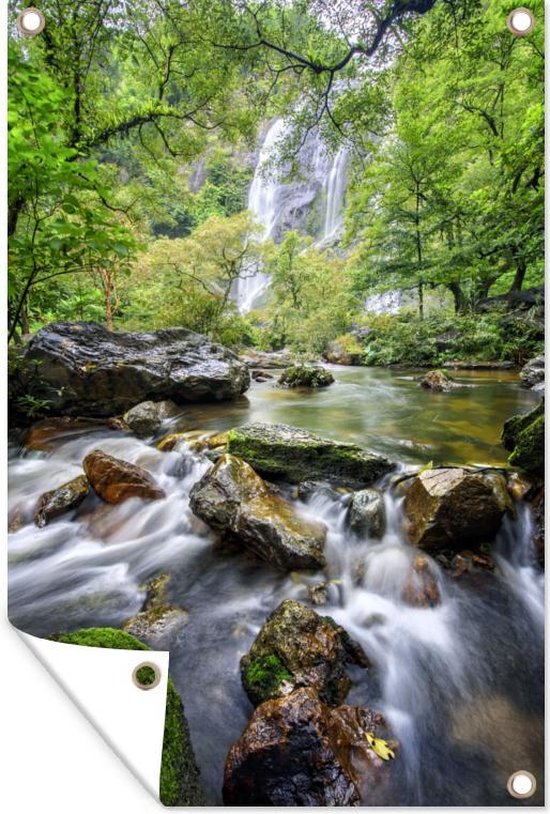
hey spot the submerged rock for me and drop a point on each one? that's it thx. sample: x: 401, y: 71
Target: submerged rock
x: 438, y: 381
x: 306, y: 376
x: 448, y: 508
x: 532, y: 373
x: 158, y: 620
x: 84, y: 368
x: 421, y: 590
x: 233, y: 500
x: 298, y: 648
x: 179, y: 774
x: 523, y: 435
x: 296, y: 751
x: 58, y: 501
x: 115, y: 480
x: 146, y: 418
x: 288, y: 453
x: 44, y: 435
x: 366, y: 515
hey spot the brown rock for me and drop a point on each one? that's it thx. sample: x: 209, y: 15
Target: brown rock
x: 61, y: 500
x: 447, y: 508
x: 45, y: 435
x: 295, y: 751
x: 115, y: 480
x: 421, y: 589
x: 438, y: 381
x: 233, y: 500
x: 468, y: 562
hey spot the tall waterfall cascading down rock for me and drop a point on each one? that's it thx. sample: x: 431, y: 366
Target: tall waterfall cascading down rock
x: 312, y: 204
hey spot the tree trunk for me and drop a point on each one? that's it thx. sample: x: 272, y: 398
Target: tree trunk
x: 458, y: 297
x: 519, y: 276
x: 421, y: 299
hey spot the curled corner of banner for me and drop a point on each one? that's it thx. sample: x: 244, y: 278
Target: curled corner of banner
x: 132, y: 719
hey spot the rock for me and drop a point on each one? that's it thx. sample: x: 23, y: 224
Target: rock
x: 233, y: 500
x: 298, y: 648
x: 261, y: 375
x: 518, y: 486
x: 421, y: 589
x: 346, y: 350
x: 296, y: 751
x: 318, y: 593
x: 438, y: 381
x: 45, y: 435
x: 537, y: 508
x: 196, y: 440
x: 84, y: 368
x: 447, y: 508
x: 179, y: 773
x: 115, y: 480
x: 524, y: 436
x: 468, y: 562
x: 366, y: 515
x: 287, y: 453
x: 276, y: 360
x: 61, y: 500
x: 146, y: 418
x: 306, y: 376
x: 532, y: 373
x: 308, y: 489
x: 158, y: 620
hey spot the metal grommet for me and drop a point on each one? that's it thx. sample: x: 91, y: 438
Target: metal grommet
x: 30, y: 21
x: 521, y: 21
x: 146, y: 675
x: 521, y: 784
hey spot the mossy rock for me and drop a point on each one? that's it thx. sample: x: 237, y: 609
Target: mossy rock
x: 179, y: 774
x: 523, y: 436
x: 281, y: 452
x: 306, y: 376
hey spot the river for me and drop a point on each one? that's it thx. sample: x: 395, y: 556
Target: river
x: 461, y: 684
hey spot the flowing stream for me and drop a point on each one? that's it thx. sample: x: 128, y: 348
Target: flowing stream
x: 461, y: 684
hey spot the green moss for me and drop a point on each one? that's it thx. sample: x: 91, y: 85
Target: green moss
x: 179, y: 775
x: 517, y: 423
x: 264, y: 675
x: 306, y: 376
x: 529, y: 450
x: 146, y: 676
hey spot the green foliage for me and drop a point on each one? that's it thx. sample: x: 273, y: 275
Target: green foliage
x: 305, y: 376
x: 264, y: 676
x: 33, y: 407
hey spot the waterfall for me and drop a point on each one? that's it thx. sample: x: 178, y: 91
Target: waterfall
x: 280, y: 206
x: 335, y: 192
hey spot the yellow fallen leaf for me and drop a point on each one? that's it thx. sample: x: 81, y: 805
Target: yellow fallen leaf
x: 380, y: 746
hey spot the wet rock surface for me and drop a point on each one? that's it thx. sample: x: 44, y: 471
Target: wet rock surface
x: 58, y: 501
x: 366, y: 515
x: 297, y: 647
x: 45, y: 435
x: 146, y: 418
x: 421, y: 589
x: 282, y: 452
x: 523, y: 436
x: 158, y: 621
x: 438, y: 381
x: 532, y: 373
x: 234, y: 501
x: 305, y: 376
x: 84, y: 368
x: 296, y: 751
x: 115, y: 480
x: 448, y: 508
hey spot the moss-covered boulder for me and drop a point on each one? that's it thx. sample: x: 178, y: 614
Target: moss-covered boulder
x: 449, y: 508
x: 281, y: 452
x: 179, y: 774
x: 158, y: 621
x: 306, y: 376
x: 346, y: 350
x: 298, y: 648
x: 297, y: 751
x: 58, y: 501
x: 115, y: 480
x: 523, y: 436
x: 438, y: 381
x: 233, y: 500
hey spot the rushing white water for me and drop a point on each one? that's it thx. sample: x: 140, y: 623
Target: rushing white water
x: 335, y: 195
x: 279, y: 205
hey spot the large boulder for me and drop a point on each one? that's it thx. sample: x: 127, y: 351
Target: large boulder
x: 523, y: 436
x: 233, y: 500
x: 58, y: 501
x: 366, y: 515
x: 295, y: 455
x: 179, y: 774
x: 451, y: 508
x: 532, y: 373
x: 298, y: 648
x: 146, y: 418
x: 82, y: 368
x: 296, y: 751
x: 306, y: 376
x: 346, y: 350
x: 115, y: 480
